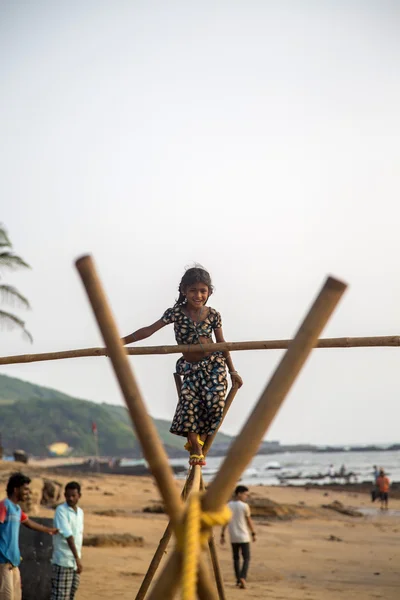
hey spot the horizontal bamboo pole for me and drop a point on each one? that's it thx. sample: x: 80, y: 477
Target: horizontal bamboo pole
x: 341, y: 342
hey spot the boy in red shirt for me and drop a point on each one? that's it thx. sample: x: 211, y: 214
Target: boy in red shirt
x: 383, y: 485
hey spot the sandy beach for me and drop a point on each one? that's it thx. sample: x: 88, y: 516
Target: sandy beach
x: 318, y: 554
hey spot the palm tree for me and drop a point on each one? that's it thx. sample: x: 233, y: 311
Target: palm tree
x: 8, y: 293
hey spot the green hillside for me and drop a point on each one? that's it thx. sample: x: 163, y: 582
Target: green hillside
x: 32, y: 417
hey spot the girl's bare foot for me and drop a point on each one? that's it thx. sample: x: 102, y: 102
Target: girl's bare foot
x: 194, y: 443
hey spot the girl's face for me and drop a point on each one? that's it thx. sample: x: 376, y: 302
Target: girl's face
x: 197, y: 295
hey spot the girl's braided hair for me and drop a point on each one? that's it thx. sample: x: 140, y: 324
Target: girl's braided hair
x: 194, y: 275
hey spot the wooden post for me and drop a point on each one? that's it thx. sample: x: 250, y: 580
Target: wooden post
x: 162, y: 546
x: 219, y: 580
x: 165, y: 589
x: 178, y: 383
x: 229, y: 399
x: 247, y: 442
x: 153, y: 449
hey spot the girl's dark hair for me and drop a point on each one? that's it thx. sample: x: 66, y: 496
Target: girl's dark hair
x: 191, y: 276
x: 17, y: 480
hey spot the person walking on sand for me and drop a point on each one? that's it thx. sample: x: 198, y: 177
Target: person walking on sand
x: 202, y: 396
x: 240, y: 527
x: 383, y: 485
x: 11, y: 516
x: 67, y: 549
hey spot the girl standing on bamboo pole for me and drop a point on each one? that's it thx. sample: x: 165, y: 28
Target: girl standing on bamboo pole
x: 202, y: 397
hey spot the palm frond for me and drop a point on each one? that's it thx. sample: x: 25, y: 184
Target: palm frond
x: 10, y: 321
x: 10, y: 295
x: 12, y: 261
x: 4, y: 239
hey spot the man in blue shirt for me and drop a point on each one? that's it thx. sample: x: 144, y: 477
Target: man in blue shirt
x: 11, y: 516
x: 67, y: 547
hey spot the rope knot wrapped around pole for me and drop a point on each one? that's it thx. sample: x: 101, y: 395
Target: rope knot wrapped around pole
x: 192, y: 536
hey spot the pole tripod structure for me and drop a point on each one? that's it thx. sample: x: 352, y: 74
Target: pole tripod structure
x: 192, y: 570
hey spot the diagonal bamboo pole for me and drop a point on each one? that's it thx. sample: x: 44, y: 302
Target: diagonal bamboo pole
x: 219, y: 580
x: 196, y: 480
x: 245, y: 445
x: 229, y: 399
x: 153, y: 449
x: 379, y: 341
x: 162, y: 546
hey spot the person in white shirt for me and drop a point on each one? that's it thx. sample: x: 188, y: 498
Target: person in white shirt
x: 67, y: 546
x: 240, y: 527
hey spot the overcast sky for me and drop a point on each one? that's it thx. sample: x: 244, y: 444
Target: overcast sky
x: 258, y: 138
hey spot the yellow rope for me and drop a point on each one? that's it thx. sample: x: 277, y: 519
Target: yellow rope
x: 194, y: 534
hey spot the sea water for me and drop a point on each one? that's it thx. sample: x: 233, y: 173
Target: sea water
x: 299, y: 468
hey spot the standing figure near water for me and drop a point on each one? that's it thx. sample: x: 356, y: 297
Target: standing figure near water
x: 202, y: 397
x: 383, y: 485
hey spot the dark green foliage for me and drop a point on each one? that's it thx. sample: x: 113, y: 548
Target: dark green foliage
x: 32, y: 417
x: 8, y: 293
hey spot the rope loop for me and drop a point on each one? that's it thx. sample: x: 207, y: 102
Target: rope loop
x: 193, y: 535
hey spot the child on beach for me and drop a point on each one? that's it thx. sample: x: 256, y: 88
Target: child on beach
x: 202, y: 397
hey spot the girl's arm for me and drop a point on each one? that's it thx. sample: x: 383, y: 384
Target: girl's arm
x: 236, y: 379
x: 144, y: 332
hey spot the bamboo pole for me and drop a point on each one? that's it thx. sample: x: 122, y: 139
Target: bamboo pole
x: 167, y: 584
x: 219, y: 580
x: 229, y: 399
x: 379, y: 341
x: 196, y: 480
x: 247, y: 442
x: 163, y: 543
x: 153, y: 449
x: 162, y: 546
